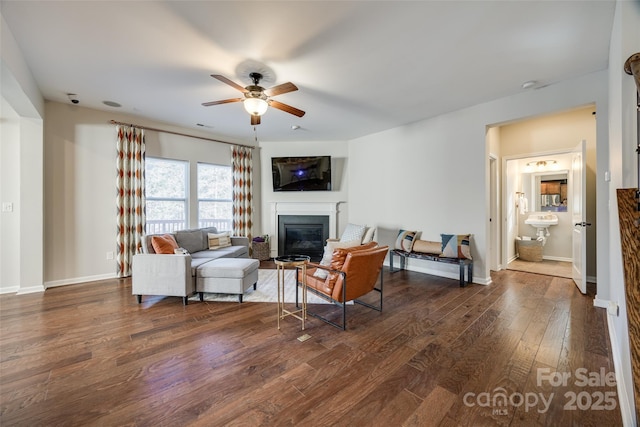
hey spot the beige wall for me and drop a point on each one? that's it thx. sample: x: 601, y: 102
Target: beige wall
x: 80, y: 221
x: 552, y: 133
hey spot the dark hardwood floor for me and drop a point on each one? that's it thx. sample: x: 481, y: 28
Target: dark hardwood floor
x: 438, y: 354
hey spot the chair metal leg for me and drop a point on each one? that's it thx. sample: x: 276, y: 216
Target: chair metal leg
x: 343, y: 305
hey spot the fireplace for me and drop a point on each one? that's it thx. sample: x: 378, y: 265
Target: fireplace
x: 302, y: 234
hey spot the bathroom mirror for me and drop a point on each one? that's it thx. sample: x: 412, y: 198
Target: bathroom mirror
x: 550, y: 191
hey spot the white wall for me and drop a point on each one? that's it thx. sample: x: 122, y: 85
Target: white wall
x: 80, y: 153
x: 339, y: 193
x: 625, y: 41
x: 9, y: 193
x: 21, y: 158
x: 432, y: 176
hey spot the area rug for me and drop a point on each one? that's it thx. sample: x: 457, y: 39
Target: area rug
x: 267, y: 290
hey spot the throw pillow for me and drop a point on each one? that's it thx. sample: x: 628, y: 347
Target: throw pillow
x: 369, y: 235
x: 217, y: 241
x: 328, y: 254
x: 456, y: 246
x: 192, y: 240
x: 405, y: 240
x: 164, y: 244
x: 427, y: 247
x: 352, y: 232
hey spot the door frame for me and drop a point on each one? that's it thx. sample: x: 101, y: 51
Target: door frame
x: 495, y: 248
x: 504, y: 195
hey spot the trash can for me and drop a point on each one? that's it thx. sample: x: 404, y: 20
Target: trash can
x: 529, y: 250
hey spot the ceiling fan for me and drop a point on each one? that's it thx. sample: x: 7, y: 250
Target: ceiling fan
x: 257, y: 99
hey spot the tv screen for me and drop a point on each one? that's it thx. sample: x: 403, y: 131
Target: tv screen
x: 312, y: 173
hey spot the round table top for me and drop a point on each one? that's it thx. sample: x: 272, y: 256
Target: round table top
x: 291, y: 260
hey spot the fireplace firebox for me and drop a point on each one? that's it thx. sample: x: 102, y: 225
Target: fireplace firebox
x: 302, y: 234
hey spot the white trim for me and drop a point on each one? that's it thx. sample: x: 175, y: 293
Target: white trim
x: 9, y: 290
x: 626, y: 407
x: 76, y: 280
x: 306, y: 208
x: 31, y: 290
x: 600, y: 303
x: 557, y: 258
x: 441, y: 273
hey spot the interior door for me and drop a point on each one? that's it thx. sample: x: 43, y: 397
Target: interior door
x: 578, y: 215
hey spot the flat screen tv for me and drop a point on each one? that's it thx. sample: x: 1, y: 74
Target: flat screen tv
x: 311, y: 173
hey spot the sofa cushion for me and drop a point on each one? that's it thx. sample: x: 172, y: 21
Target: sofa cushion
x: 164, y: 244
x: 456, y: 245
x: 191, y: 240
x: 207, y: 230
x: 196, y: 263
x: 234, y: 268
x: 228, y: 252
x: 218, y: 240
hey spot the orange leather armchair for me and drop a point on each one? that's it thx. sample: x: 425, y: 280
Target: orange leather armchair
x: 353, y: 273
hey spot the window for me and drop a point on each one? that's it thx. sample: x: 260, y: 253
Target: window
x: 166, y: 194
x: 214, y: 196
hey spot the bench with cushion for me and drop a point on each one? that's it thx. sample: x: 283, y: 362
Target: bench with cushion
x: 454, y: 249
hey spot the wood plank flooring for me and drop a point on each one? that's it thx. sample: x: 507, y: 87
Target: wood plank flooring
x: 438, y: 355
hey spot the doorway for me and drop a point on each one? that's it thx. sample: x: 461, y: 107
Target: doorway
x: 532, y: 139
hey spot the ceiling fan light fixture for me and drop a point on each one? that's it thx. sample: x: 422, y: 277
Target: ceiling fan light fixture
x: 255, y: 106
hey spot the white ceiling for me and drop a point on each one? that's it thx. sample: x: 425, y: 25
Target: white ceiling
x: 361, y: 67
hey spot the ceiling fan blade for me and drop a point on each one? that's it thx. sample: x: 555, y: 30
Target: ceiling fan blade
x: 233, y: 84
x: 280, y: 89
x: 224, y: 101
x: 255, y: 120
x: 286, y: 108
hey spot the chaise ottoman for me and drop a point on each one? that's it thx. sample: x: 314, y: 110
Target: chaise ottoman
x: 227, y: 276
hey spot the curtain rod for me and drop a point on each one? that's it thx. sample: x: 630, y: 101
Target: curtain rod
x: 113, y: 122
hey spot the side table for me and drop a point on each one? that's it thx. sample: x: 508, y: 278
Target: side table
x: 292, y: 261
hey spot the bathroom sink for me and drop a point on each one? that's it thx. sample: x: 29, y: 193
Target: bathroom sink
x: 542, y: 220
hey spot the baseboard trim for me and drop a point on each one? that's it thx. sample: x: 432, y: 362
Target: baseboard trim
x: 9, y: 290
x: 601, y: 303
x: 626, y: 408
x: 447, y: 274
x: 557, y: 258
x: 30, y: 289
x: 76, y: 280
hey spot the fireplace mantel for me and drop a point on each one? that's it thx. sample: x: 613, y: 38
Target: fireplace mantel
x: 302, y: 208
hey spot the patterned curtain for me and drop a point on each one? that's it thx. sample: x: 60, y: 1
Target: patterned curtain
x: 130, y: 195
x: 242, y: 173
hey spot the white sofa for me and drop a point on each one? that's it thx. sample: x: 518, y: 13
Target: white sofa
x: 176, y: 275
